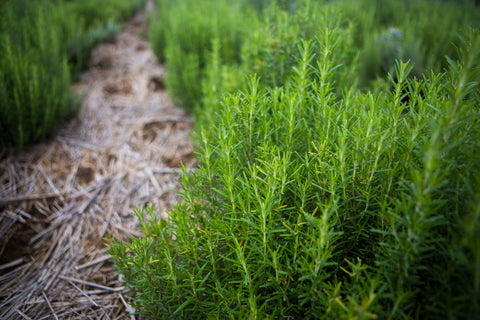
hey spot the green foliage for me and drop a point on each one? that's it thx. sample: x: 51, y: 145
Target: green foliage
x: 313, y: 199
x: 371, y: 35
x: 80, y: 48
x: 271, y: 51
x: 109, y: 11
x: 43, y: 44
x: 34, y: 79
x: 182, y: 36
x: 423, y: 32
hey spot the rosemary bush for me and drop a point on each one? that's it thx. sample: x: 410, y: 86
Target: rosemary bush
x: 182, y: 36
x: 270, y: 50
x: 34, y: 75
x: 421, y: 31
x: 315, y: 200
x: 210, y: 47
x: 43, y: 44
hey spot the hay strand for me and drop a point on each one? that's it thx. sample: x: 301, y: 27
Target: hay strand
x: 60, y: 199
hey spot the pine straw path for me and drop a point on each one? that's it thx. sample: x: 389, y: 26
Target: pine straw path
x: 61, y: 199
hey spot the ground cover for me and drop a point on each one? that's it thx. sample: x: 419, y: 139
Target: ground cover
x: 60, y: 198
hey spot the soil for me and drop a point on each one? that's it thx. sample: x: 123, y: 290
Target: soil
x: 60, y: 200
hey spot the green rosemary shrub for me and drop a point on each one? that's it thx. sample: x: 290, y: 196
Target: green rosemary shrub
x: 35, y: 92
x: 314, y: 200
x: 372, y: 34
x: 182, y: 36
x: 267, y: 50
x: 43, y: 44
x: 422, y: 31
x: 270, y: 51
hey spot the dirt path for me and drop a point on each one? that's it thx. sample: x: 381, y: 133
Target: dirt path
x: 59, y: 200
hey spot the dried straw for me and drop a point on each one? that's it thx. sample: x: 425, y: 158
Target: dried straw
x: 61, y: 199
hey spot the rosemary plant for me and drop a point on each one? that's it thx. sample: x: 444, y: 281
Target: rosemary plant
x: 43, y: 44
x: 316, y: 200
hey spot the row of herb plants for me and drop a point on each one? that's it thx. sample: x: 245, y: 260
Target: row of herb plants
x: 43, y: 45
x: 317, y: 195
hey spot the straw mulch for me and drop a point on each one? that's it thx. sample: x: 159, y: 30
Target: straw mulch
x: 60, y: 200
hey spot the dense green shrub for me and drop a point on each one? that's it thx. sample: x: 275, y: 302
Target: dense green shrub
x: 43, y: 44
x: 35, y: 92
x: 315, y: 200
x: 270, y: 51
x: 379, y: 32
x: 421, y: 31
x: 183, y: 33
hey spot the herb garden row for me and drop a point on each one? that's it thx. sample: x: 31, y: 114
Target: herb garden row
x: 44, y: 44
x: 338, y: 163
x: 337, y: 145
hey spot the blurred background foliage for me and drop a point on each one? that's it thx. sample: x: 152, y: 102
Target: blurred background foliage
x: 261, y: 37
x: 43, y: 46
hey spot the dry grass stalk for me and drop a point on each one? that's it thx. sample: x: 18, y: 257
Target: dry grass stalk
x: 59, y: 200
